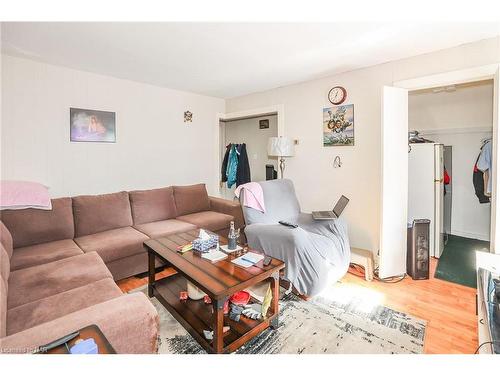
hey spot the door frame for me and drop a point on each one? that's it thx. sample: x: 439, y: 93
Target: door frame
x: 473, y: 74
x: 278, y: 110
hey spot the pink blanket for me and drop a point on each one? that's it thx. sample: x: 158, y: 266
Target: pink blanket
x: 16, y: 195
x: 253, y: 197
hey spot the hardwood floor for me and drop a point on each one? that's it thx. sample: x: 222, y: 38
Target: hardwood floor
x: 450, y: 309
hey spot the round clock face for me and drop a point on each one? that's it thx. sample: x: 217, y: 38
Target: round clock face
x: 337, y: 95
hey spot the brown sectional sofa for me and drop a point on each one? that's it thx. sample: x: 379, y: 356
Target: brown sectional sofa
x: 58, y: 267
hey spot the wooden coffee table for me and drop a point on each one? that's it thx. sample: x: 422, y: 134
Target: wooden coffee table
x: 219, y: 281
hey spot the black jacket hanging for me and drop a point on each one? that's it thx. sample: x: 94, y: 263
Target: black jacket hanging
x: 224, y: 164
x: 243, y: 170
x: 478, y: 181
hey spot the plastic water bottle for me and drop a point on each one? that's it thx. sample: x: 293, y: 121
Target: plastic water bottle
x: 232, y: 237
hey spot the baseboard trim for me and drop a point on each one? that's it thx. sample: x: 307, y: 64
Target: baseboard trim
x: 475, y: 236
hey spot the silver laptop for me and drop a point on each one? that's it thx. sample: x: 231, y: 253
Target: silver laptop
x: 335, y: 213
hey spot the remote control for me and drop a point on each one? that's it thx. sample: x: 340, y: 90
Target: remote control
x: 287, y: 224
x: 56, y: 343
x: 267, y: 260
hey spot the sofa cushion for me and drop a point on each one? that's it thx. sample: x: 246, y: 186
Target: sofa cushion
x: 53, y: 307
x: 6, y: 239
x: 191, y: 199
x: 152, y: 205
x: 98, y: 213
x: 35, y: 255
x: 32, y: 226
x: 34, y: 283
x: 3, y: 307
x: 4, y: 264
x: 208, y: 220
x: 164, y: 227
x: 113, y: 244
x: 130, y: 323
x: 130, y: 266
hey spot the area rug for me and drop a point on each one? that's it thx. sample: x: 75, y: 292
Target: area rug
x: 458, y: 260
x: 348, y: 321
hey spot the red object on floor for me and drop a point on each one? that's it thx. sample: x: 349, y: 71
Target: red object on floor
x: 240, y: 298
x: 208, y: 300
x: 183, y: 296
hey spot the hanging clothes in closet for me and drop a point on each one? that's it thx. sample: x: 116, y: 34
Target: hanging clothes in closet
x: 224, y: 163
x: 232, y: 166
x: 235, y: 166
x: 482, y: 173
x: 243, y: 171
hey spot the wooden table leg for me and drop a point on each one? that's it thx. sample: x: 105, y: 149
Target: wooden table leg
x: 275, y: 287
x: 151, y: 273
x: 218, y: 327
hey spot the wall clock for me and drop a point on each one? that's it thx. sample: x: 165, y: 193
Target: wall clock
x: 337, y: 95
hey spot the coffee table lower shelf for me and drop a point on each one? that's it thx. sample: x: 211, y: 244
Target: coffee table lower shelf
x: 196, y: 316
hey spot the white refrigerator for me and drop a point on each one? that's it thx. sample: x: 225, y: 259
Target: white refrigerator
x: 426, y: 190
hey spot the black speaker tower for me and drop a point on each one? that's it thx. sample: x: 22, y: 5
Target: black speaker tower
x: 417, y: 258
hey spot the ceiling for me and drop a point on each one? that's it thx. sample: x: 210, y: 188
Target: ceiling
x: 230, y: 59
x: 454, y: 87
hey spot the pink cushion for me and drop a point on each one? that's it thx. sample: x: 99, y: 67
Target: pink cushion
x: 16, y: 195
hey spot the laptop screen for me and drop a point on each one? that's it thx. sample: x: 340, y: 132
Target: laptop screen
x: 339, y: 207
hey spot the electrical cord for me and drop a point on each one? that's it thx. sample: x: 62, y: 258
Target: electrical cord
x: 359, y: 271
x: 484, y: 343
x: 389, y: 280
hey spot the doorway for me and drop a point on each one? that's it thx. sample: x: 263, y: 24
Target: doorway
x: 277, y: 112
x: 394, y: 186
x: 254, y: 133
x: 448, y: 127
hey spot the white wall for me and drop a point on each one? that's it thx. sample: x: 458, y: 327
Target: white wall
x: 469, y: 218
x: 154, y: 146
x: 318, y: 184
x: 461, y: 119
x: 469, y: 107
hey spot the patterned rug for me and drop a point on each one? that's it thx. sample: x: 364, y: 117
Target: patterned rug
x: 347, y: 319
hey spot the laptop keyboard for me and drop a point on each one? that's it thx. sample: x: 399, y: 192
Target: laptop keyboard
x: 324, y: 214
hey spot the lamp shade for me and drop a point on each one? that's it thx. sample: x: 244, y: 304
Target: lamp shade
x: 280, y: 146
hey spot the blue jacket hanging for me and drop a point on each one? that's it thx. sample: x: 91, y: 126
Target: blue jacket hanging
x: 232, y: 166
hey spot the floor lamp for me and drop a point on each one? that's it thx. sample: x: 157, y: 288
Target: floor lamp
x: 282, y: 148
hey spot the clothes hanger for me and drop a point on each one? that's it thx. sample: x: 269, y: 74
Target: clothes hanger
x: 485, y: 140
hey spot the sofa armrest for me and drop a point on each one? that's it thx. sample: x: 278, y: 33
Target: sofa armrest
x: 129, y: 322
x: 228, y: 207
